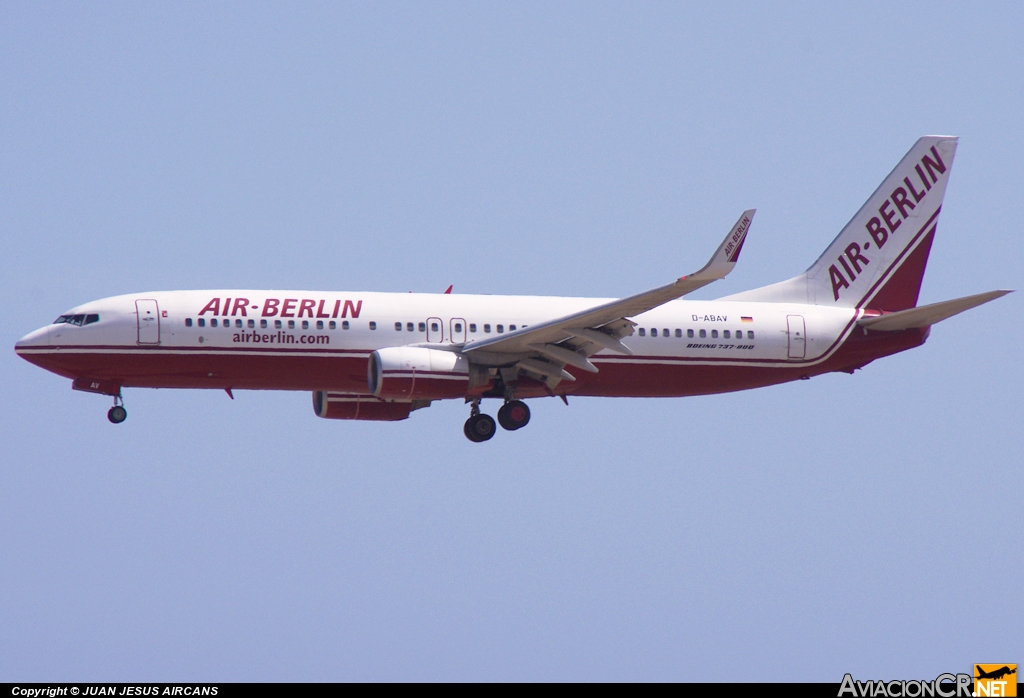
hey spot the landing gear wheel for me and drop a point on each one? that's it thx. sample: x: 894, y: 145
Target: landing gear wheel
x: 117, y: 414
x: 514, y: 415
x: 479, y: 427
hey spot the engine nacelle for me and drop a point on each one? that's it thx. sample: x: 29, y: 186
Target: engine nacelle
x: 417, y: 373
x: 366, y: 407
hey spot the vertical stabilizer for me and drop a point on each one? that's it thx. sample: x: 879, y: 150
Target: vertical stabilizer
x: 879, y: 258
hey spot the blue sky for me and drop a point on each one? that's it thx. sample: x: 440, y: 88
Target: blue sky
x: 849, y: 523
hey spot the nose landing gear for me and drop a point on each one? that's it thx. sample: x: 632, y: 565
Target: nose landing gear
x: 117, y: 413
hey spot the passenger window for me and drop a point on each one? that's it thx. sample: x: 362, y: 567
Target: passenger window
x: 643, y: 332
x: 434, y: 327
x: 458, y: 327
x: 319, y: 324
x: 409, y: 327
x: 511, y: 328
x: 89, y: 319
x: 332, y: 325
x: 202, y: 322
x: 188, y: 322
x: 213, y: 322
x: 344, y: 324
x: 291, y: 324
x: 373, y: 325
x: 501, y: 328
x: 487, y: 328
x: 263, y: 324
x: 703, y: 334
x: 689, y: 333
x: 305, y: 324
x: 238, y: 322
x: 277, y: 324
x: 398, y: 327
x: 252, y: 324
x: 750, y: 334
x: 725, y: 334
x: 472, y: 327
x: 714, y: 334
x: 679, y: 333
x: 423, y: 327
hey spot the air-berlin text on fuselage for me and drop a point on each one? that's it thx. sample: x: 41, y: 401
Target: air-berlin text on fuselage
x: 891, y: 214
x: 285, y: 307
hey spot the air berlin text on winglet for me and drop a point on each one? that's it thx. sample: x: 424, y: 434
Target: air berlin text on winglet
x: 732, y: 250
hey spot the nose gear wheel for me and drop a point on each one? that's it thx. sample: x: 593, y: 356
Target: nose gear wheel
x: 117, y: 413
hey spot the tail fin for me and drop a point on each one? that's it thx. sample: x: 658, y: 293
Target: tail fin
x: 878, y: 259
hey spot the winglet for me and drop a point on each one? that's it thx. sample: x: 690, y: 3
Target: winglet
x: 728, y: 253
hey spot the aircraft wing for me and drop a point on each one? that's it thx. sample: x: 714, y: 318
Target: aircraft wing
x: 571, y: 339
x: 927, y: 315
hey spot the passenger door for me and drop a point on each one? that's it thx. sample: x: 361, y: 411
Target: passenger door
x: 148, y: 321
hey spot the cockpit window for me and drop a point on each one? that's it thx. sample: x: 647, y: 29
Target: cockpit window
x: 77, y: 320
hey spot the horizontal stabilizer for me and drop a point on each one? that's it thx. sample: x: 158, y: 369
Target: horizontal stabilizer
x: 927, y: 315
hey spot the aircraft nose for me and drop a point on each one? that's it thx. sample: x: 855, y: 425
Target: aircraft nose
x: 39, y: 338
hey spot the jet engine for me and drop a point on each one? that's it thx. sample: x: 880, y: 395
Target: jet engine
x: 417, y: 373
x: 366, y: 407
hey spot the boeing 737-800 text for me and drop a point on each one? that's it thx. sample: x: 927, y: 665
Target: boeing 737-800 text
x: 379, y: 356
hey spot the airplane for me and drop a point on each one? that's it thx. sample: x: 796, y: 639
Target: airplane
x: 381, y: 356
x: 995, y: 674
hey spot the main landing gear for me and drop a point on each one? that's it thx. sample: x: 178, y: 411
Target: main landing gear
x: 479, y: 427
x: 514, y: 414
x: 117, y: 413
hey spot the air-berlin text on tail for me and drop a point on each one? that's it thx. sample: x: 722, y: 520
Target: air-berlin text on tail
x: 891, y: 214
x: 285, y: 307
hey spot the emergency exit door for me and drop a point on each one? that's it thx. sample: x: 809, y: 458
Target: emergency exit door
x: 435, y: 329
x: 149, y: 321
